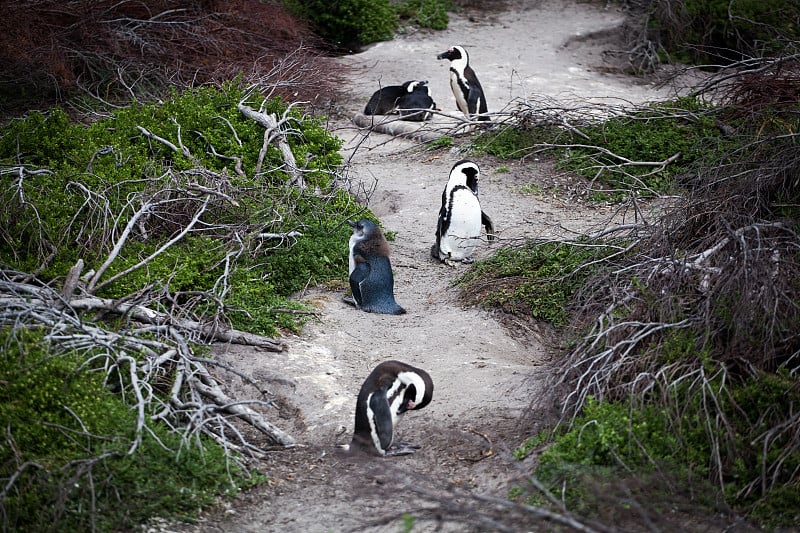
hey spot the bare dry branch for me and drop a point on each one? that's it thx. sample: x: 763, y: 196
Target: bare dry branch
x: 195, y: 394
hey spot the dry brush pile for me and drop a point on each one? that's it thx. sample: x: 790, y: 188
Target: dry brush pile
x: 119, y: 52
x: 701, y: 317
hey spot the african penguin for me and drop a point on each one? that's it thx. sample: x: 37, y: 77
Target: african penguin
x: 384, y: 100
x: 464, y: 83
x: 458, y: 230
x: 390, y: 390
x: 371, y: 278
x: 417, y: 96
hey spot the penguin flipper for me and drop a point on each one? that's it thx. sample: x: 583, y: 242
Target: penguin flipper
x: 382, y: 417
x: 472, y: 99
x: 489, y: 225
x: 359, y: 274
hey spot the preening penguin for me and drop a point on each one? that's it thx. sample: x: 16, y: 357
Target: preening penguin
x: 464, y: 83
x: 458, y: 230
x: 390, y: 390
x: 371, y: 278
x: 417, y: 96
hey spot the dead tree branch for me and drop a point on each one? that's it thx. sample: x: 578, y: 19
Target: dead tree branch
x: 195, y: 394
x: 276, y: 133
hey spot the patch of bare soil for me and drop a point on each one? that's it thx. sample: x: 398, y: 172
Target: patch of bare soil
x: 490, y: 378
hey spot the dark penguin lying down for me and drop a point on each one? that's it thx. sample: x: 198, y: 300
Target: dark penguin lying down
x: 412, y: 95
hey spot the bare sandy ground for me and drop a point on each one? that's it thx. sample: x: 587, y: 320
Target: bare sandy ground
x: 490, y: 379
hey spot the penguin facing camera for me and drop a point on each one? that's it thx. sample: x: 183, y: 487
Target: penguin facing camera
x: 412, y: 94
x: 417, y: 97
x: 458, y: 230
x: 390, y: 390
x: 371, y: 278
x: 464, y: 83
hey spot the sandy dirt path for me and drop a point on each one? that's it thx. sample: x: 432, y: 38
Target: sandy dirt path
x: 489, y: 379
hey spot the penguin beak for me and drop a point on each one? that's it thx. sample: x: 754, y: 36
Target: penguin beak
x: 352, y: 224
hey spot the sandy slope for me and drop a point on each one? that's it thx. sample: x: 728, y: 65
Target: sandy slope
x: 489, y: 381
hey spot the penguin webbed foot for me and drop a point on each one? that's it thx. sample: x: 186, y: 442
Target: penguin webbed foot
x: 350, y: 301
x: 402, y: 448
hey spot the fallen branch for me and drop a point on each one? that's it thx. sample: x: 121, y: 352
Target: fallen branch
x: 395, y: 127
x: 149, y: 316
x: 45, y: 296
x: 161, y: 351
x: 274, y: 133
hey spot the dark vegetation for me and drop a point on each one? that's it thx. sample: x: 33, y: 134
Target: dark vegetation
x: 347, y: 25
x: 680, y: 374
x: 85, y: 53
x: 710, y: 34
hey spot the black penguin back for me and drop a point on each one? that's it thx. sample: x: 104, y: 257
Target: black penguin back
x: 384, y: 100
x: 372, y: 280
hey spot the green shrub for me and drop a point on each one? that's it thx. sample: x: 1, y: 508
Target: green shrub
x: 719, y: 31
x: 69, y: 439
x: 515, y: 142
x: 347, y: 24
x: 652, y: 135
x: 614, y: 454
x: 86, y: 182
x: 669, y: 447
x: 426, y: 13
x: 683, y: 128
x: 445, y: 141
x: 536, y: 280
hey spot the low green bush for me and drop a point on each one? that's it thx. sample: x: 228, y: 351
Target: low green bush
x: 86, y: 182
x: 536, y: 280
x: 684, y: 129
x: 347, y: 24
x: 66, y: 456
x: 426, y: 13
x: 668, y: 447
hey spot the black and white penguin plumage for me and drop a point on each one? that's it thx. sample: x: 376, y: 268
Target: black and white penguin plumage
x: 458, y: 230
x: 384, y: 100
x: 388, y: 99
x: 371, y: 278
x: 464, y: 83
x: 390, y: 390
x: 417, y: 96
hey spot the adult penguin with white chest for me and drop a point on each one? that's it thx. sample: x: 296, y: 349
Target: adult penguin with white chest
x: 458, y: 230
x: 464, y: 83
x: 371, y: 278
x: 390, y: 390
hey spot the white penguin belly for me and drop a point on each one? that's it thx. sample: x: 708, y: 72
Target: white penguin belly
x: 464, y: 233
x: 461, y: 102
x: 352, y: 261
